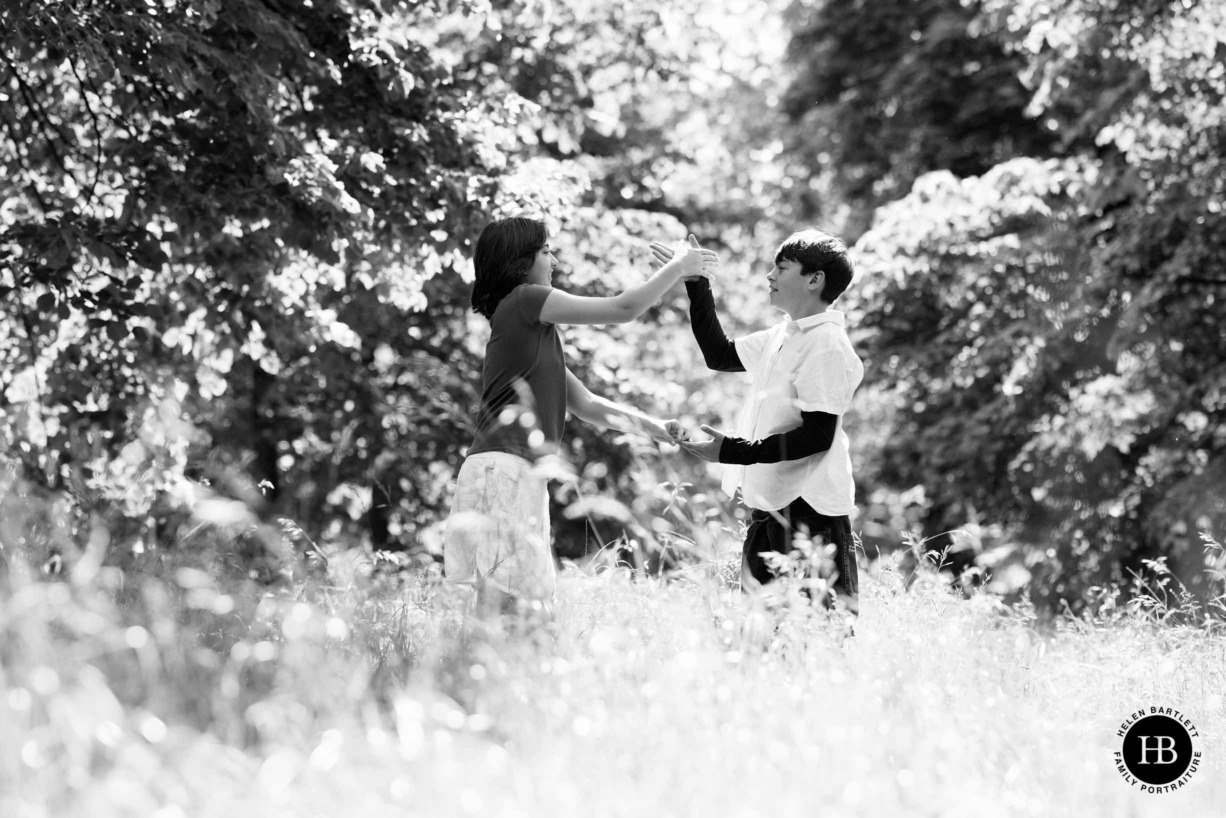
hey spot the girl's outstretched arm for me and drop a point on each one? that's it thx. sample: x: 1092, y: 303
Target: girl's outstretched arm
x: 564, y: 308
x: 609, y: 415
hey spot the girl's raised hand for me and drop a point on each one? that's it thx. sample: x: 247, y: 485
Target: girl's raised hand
x: 708, y: 260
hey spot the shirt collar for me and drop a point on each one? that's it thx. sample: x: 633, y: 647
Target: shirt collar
x: 828, y: 317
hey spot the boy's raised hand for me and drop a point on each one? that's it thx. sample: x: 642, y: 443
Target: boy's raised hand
x: 709, y: 260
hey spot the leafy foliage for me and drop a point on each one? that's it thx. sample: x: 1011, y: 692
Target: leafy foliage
x: 246, y: 199
x: 888, y: 90
x: 1053, y: 329
x: 243, y: 226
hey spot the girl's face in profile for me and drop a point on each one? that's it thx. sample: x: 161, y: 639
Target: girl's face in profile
x: 541, y: 271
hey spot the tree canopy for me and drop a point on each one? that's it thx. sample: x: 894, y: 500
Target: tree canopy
x: 1052, y: 327
x: 253, y: 218
x: 235, y: 238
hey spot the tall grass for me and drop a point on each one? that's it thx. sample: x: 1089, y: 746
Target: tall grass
x: 176, y: 686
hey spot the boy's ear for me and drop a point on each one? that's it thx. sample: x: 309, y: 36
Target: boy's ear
x: 817, y: 281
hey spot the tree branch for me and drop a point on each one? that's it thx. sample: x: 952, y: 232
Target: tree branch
x: 72, y: 64
x: 19, y: 137
x: 32, y: 337
x: 38, y: 113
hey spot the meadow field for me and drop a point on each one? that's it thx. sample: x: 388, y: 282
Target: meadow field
x: 167, y: 690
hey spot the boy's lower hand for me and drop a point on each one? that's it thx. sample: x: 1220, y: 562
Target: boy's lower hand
x: 707, y: 449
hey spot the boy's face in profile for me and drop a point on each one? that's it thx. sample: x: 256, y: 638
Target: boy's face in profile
x: 790, y: 290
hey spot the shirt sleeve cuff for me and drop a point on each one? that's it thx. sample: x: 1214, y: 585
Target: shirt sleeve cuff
x: 819, y: 406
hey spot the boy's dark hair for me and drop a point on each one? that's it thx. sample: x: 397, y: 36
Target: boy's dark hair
x: 819, y: 252
x: 505, y: 251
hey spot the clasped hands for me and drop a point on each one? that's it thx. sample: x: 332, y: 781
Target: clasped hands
x: 691, y: 251
x: 707, y: 449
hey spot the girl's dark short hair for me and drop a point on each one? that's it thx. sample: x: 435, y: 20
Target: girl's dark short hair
x: 505, y: 251
x: 819, y: 252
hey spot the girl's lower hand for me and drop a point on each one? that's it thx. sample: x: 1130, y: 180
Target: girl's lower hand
x: 676, y: 433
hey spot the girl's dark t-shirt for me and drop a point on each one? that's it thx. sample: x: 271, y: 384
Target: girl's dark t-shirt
x: 523, y: 382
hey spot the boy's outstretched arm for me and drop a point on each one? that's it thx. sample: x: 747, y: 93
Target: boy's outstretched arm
x: 718, y: 350
x: 814, y: 434
x: 609, y: 415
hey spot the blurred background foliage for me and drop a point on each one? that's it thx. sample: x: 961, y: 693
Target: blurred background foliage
x: 235, y: 238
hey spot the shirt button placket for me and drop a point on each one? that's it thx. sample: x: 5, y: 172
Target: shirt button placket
x: 760, y: 393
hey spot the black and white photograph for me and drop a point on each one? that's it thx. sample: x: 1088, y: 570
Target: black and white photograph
x: 612, y: 408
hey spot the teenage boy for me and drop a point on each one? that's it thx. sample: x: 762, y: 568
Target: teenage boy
x: 790, y: 456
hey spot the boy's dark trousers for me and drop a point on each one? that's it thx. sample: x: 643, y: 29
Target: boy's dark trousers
x: 773, y: 531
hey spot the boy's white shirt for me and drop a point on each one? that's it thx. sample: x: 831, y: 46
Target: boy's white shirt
x: 805, y: 365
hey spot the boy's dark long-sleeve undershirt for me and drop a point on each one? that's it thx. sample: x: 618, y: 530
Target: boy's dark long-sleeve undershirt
x: 816, y: 430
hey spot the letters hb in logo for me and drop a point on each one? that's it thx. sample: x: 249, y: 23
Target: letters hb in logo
x: 1157, y: 750
x: 1164, y: 750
